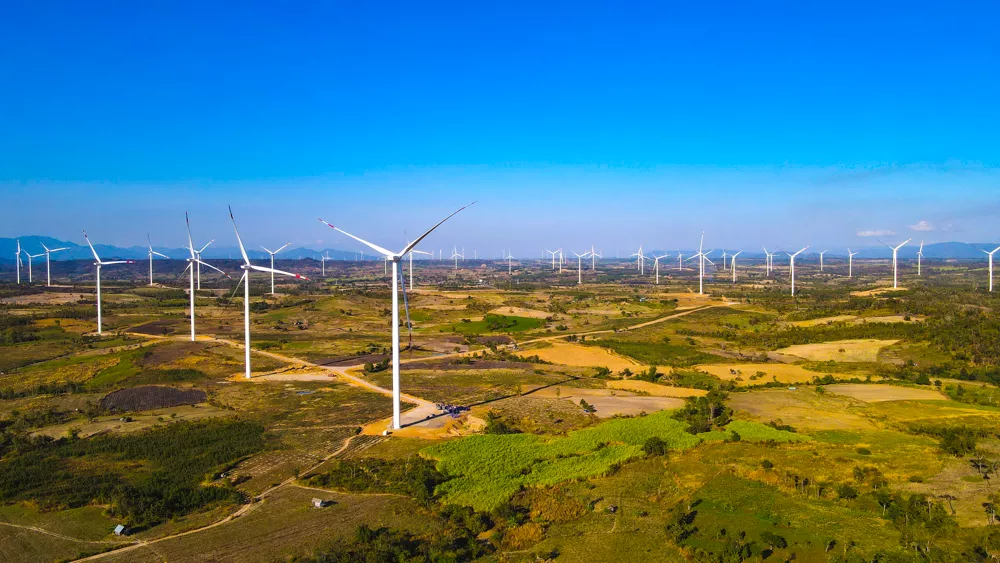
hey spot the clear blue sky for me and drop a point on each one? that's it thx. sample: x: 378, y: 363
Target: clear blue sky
x: 573, y: 122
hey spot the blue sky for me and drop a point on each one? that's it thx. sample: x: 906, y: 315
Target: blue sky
x: 571, y: 123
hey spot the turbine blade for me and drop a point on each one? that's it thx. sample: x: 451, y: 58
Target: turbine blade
x: 274, y: 271
x: 206, y: 246
x: 374, y: 247
x: 161, y: 255
x: 429, y: 231
x: 117, y: 262
x: 243, y: 250
x: 96, y: 257
x: 206, y: 264
x: 191, y: 242
x: 282, y: 248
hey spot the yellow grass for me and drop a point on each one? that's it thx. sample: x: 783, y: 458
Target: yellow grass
x: 521, y: 312
x: 569, y: 354
x: 609, y: 402
x: 879, y: 393
x: 803, y: 409
x: 655, y: 389
x: 853, y: 319
x: 860, y: 350
x: 877, y: 291
x: 785, y: 373
x: 823, y: 321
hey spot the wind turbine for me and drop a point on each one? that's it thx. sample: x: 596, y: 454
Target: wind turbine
x: 412, y: 252
x: 732, y: 261
x: 48, y: 270
x: 791, y: 265
x: 640, y: 261
x: 508, y: 258
x: 768, y: 261
x: 895, y: 251
x: 702, y: 258
x: 920, y: 256
x: 151, y: 253
x: 30, y: 258
x: 553, y: 253
x: 98, y: 264
x: 18, y: 260
x: 723, y: 258
x: 455, y: 255
x: 579, y: 266
x: 821, y: 259
x: 990, y: 254
x: 680, y: 261
x: 850, y: 263
x: 322, y: 261
x: 395, y: 257
x: 593, y: 254
x: 247, y: 267
x: 656, y: 266
x: 197, y: 254
x: 272, y: 253
x: 194, y: 262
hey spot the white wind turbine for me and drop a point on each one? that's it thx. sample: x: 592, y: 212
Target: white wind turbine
x: 920, y: 256
x: 31, y: 257
x: 579, y: 266
x: 791, y: 265
x: 17, y: 259
x: 272, y: 253
x: 412, y: 252
x: 656, y: 266
x: 247, y: 267
x: 640, y: 261
x: 768, y: 261
x: 48, y: 269
x: 197, y: 254
x: 455, y: 255
x: 821, y: 259
x: 702, y: 258
x: 732, y: 261
x: 990, y: 254
x: 723, y: 259
x: 98, y: 264
x: 509, y: 258
x: 194, y: 262
x: 593, y: 254
x: 895, y: 263
x: 680, y: 260
x: 850, y: 263
x: 322, y: 260
x: 395, y: 257
x: 151, y: 253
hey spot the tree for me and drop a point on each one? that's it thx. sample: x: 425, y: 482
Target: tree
x: 654, y: 446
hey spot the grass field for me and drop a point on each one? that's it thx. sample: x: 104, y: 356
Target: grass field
x: 571, y: 354
x: 758, y: 374
x: 655, y: 389
x: 878, y: 393
x: 857, y: 350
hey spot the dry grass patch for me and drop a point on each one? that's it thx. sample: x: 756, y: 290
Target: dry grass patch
x: 803, y: 409
x: 609, y: 402
x: 875, y: 393
x: 569, y: 354
x: 856, y: 350
x: 521, y: 312
x: 877, y: 291
x: 762, y: 373
x: 823, y: 321
x: 655, y: 389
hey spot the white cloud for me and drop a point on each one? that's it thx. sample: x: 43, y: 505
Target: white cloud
x: 871, y: 233
x: 922, y: 226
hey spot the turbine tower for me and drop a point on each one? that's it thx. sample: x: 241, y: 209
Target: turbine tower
x: 702, y: 258
x: 48, y: 269
x: 895, y: 263
x: 656, y: 266
x: 990, y: 254
x: 920, y: 256
x: 850, y: 263
x: 17, y: 257
x: 579, y: 266
x: 395, y: 257
x: 272, y: 253
x: 322, y: 260
x: 197, y: 254
x: 821, y: 259
x: 455, y: 255
x: 768, y: 261
x: 151, y: 253
x: 31, y: 257
x: 553, y: 253
x: 508, y: 258
x: 593, y: 254
x: 791, y: 266
x: 98, y: 264
x: 194, y: 262
x: 247, y: 267
x: 640, y: 261
x: 732, y: 261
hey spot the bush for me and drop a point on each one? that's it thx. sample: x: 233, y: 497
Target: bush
x: 655, y: 446
x: 848, y: 492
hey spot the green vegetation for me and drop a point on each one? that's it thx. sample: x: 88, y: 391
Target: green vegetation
x: 497, y: 323
x: 655, y: 353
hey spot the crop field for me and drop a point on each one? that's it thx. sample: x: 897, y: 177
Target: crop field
x: 839, y: 351
x: 878, y: 393
x: 570, y: 354
x: 655, y: 389
x: 759, y: 374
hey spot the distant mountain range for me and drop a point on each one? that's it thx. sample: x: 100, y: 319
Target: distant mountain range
x: 33, y: 244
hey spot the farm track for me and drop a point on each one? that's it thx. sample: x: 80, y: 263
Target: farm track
x: 364, y: 442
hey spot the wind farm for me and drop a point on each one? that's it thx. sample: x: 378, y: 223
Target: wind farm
x: 780, y: 341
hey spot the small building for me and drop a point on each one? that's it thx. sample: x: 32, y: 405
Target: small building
x: 121, y: 530
x: 320, y: 503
